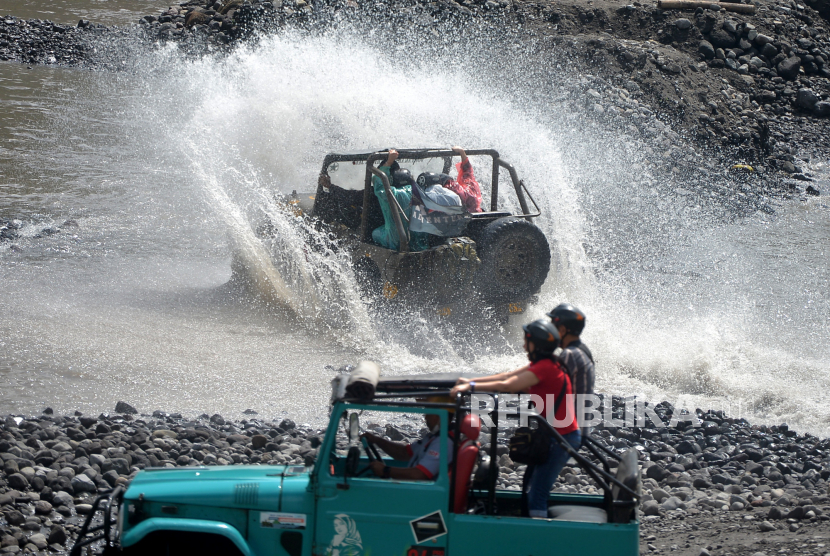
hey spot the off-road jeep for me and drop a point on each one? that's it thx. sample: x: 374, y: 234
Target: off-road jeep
x: 500, y: 260
x: 339, y: 507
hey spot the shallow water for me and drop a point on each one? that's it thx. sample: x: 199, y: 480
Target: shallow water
x: 105, y: 12
x: 168, y: 173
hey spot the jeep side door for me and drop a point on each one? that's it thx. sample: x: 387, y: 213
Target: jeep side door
x: 367, y: 515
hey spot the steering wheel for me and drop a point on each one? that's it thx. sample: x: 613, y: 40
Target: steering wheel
x: 371, y: 450
x: 371, y: 453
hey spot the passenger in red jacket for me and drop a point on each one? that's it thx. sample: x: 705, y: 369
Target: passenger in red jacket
x: 465, y: 184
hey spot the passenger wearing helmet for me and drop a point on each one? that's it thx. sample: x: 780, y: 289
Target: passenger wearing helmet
x: 575, y: 356
x: 544, y: 377
x: 400, y: 183
x: 423, y: 456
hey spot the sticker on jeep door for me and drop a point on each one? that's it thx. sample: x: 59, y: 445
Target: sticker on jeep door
x: 276, y: 520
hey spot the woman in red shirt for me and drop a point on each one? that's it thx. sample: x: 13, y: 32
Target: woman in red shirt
x: 545, y: 378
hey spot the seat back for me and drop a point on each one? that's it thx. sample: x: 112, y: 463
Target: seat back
x: 628, y: 473
x: 467, y: 455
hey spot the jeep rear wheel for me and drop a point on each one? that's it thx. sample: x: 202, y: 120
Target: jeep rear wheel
x: 515, y: 259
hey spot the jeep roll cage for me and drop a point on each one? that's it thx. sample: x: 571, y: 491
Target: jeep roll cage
x: 390, y: 390
x: 398, y: 213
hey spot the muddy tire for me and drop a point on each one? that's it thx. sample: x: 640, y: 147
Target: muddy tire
x: 515, y: 259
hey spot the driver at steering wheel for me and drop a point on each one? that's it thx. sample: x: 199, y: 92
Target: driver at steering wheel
x: 423, y: 456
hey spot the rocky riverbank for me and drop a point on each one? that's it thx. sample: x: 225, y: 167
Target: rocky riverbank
x: 761, y: 487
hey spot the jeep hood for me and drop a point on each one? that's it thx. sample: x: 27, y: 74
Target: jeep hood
x: 238, y: 486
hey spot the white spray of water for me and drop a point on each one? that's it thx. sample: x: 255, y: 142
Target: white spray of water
x: 664, y: 320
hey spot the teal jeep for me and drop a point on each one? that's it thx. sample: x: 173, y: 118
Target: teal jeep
x: 338, y: 507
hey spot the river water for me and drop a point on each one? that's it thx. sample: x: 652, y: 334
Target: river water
x: 168, y: 167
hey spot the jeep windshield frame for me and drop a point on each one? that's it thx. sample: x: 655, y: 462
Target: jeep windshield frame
x: 398, y: 212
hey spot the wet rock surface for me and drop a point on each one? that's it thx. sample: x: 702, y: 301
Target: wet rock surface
x: 710, y: 482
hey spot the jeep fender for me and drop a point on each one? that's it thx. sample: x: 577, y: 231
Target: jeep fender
x: 151, y: 525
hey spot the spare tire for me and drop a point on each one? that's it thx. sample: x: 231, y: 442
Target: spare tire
x: 515, y: 259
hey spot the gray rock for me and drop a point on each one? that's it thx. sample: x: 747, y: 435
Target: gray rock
x: 769, y: 51
x: 822, y: 109
x: 18, y: 481
x: 82, y: 483
x: 757, y: 62
x: 788, y: 69
x: 217, y: 419
x: 651, y: 508
x: 43, y: 507
x: 57, y: 535
x: 39, y: 540
x: 672, y: 503
x: 729, y: 26
x: 761, y: 40
x: 707, y: 49
x: 683, y: 24
x: 797, y: 512
x: 62, y: 498
x: 806, y: 99
x: 125, y: 408
x: 775, y: 513
x: 766, y: 526
x: 62, y: 447
x: 659, y: 494
x: 121, y: 466
x: 721, y: 38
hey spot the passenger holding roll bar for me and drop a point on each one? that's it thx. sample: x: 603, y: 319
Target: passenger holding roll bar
x: 546, y: 378
x: 400, y: 182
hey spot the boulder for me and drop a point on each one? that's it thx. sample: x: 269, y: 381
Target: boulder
x: 18, y: 481
x: 707, y: 49
x: 57, y: 535
x: 721, y: 38
x: 125, y: 408
x: 822, y: 109
x: 651, y: 508
x: 82, y: 483
x: 788, y: 69
x: 806, y: 99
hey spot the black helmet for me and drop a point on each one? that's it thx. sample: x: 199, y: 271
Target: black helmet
x: 544, y: 336
x: 568, y: 316
x: 401, y: 177
x: 428, y: 179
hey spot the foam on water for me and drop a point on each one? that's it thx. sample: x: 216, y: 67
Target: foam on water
x: 728, y: 313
